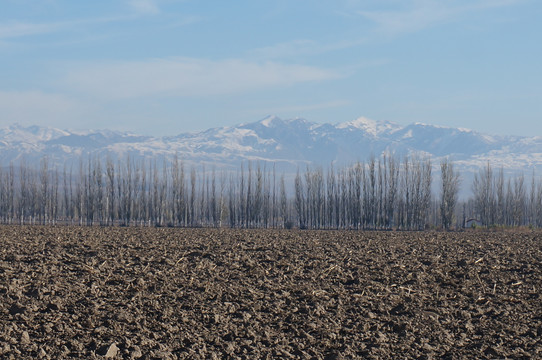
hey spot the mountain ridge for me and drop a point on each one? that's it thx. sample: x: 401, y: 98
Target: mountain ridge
x: 287, y: 142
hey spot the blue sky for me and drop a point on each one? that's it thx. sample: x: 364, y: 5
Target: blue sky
x: 168, y: 66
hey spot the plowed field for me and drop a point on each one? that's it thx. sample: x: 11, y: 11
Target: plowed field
x: 139, y: 293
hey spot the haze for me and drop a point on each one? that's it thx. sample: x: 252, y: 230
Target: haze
x: 164, y: 66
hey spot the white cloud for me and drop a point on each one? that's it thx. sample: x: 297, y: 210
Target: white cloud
x: 188, y: 77
x: 145, y: 6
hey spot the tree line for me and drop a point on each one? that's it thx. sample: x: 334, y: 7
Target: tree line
x: 382, y: 193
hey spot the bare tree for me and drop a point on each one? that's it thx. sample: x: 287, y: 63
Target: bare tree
x: 192, y: 210
x: 392, y: 189
x: 449, y: 192
x: 483, y: 190
x: 284, y: 204
x: 43, y: 199
x: 110, y: 191
x: 519, y: 201
x: 300, y: 201
x: 383, y: 193
x: 502, y: 200
x: 53, y: 204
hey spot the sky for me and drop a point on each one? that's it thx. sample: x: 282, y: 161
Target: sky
x: 163, y: 67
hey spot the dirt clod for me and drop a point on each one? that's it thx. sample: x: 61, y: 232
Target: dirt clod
x: 112, y: 351
x: 25, y: 338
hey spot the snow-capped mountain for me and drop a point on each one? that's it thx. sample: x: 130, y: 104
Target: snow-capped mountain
x: 287, y: 143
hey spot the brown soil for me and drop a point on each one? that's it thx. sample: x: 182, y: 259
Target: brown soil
x: 69, y: 292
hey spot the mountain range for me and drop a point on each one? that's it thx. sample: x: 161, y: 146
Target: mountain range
x: 287, y: 143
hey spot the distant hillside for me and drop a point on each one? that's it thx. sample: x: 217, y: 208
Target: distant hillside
x: 287, y: 143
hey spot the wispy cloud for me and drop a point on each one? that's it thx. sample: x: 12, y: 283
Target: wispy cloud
x: 19, y: 29
x: 16, y: 29
x: 304, y: 107
x: 144, y: 6
x: 302, y: 48
x: 422, y: 14
x: 34, y: 107
x: 188, y: 77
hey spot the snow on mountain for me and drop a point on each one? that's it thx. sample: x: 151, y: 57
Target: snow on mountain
x: 287, y: 143
x: 372, y: 127
x: 31, y: 135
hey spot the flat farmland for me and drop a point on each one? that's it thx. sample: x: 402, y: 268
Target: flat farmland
x: 160, y: 293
